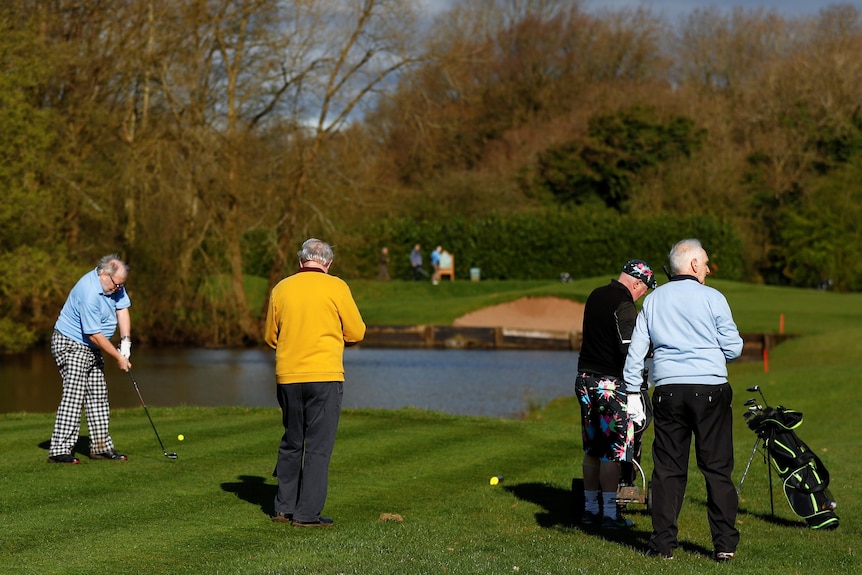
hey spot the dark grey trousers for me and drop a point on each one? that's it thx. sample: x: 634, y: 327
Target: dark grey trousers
x: 679, y: 412
x: 310, y: 413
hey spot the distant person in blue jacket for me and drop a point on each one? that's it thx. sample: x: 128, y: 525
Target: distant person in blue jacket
x: 435, y: 264
x: 694, y: 336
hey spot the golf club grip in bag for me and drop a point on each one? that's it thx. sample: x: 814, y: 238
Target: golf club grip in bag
x: 805, y: 478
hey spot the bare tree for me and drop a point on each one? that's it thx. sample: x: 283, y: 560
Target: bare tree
x: 363, y: 45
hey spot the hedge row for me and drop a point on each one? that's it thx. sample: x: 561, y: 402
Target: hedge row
x: 582, y: 242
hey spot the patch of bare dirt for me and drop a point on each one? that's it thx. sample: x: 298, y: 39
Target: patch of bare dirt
x: 539, y: 313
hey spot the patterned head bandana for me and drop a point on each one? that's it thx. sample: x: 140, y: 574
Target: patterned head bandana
x: 639, y: 269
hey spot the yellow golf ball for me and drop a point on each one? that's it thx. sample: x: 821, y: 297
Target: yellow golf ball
x: 180, y: 437
x: 495, y: 480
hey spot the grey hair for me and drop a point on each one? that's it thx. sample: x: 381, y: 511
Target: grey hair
x: 682, y: 253
x: 111, y: 264
x: 316, y: 250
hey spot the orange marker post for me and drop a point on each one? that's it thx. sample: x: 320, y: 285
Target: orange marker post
x: 765, y: 360
x: 781, y: 323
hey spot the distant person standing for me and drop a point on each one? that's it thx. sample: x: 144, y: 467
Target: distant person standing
x: 383, y: 271
x: 435, y: 264
x: 94, y: 308
x: 607, y: 432
x: 416, y: 263
x: 693, y: 335
x: 311, y: 318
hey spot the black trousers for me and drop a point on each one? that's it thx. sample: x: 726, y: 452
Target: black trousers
x: 679, y: 412
x: 310, y: 414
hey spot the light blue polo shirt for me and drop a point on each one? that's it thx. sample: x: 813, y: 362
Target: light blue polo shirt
x: 88, y: 310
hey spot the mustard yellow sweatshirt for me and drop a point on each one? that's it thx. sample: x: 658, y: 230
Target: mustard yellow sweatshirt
x: 311, y: 316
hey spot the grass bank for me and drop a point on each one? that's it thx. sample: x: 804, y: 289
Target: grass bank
x: 756, y: 308
x: 207, y: 512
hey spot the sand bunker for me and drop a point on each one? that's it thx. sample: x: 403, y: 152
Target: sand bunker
x: 541, y: 313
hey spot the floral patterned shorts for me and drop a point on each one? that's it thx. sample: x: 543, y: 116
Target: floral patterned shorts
x: 607, y: 432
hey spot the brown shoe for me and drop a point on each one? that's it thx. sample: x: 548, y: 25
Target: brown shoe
x: 282, y: 517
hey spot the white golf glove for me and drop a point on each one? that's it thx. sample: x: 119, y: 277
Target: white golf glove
x: 635, y: 409
x: 126, y: 348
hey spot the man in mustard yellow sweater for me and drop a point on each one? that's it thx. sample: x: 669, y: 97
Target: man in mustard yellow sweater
x: 311, y: 317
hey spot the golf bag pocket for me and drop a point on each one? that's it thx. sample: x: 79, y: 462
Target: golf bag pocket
x: 809, y: 497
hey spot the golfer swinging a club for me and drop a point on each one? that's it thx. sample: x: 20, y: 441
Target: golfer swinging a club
x: 95, y: 307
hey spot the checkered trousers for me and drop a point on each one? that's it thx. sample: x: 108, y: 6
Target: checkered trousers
x: 83, y: 371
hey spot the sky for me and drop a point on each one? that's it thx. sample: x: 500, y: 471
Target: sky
x: 673, y: 9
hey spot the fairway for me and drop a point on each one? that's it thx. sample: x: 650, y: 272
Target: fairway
x: 207, y: 511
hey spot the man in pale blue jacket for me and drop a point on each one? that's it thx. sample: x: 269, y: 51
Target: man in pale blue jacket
x: 693, y: 335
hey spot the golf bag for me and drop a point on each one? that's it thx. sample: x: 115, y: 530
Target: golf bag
x: 805, y: 478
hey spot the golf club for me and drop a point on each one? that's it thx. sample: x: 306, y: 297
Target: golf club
x: 147, y: 411
x: 752, y: 401
x: 756, y: 388
x: 748, y: 466
x: 666, y: 272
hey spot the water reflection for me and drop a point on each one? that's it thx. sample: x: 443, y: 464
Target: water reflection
x: 486, y: 383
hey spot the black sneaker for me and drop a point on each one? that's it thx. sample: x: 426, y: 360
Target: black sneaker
x: 589, y: 519
x: 618, y: 524
x: 321, y: 522
x: 112, y: 455
x: 70, y: 459
x: 654, y: 553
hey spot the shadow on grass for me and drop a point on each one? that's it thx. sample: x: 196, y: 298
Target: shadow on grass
x: 254, y: 490
x: 82, y: 446
x: 562, y: 508
x: 557, y: 503
x: 773, y: 518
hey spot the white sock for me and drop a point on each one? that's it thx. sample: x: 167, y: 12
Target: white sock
x: 591, y: 501
x: 610, y: 501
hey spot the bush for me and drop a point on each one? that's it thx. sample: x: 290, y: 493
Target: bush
x: 583, y: 242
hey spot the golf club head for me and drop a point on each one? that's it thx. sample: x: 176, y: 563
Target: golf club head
x: 754, y: 388
x: 754, y: 408
x: 752, y: 401
x: 171, y: 455
x: 748, y: 415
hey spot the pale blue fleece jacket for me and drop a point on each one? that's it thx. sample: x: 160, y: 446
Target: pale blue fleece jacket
x: 693, y: 335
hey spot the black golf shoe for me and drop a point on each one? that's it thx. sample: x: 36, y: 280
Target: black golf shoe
x: 321, y: 522
x: 68, y: 459
x: 112, y: 455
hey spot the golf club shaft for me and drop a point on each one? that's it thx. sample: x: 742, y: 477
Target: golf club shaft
x: 147, y: 411
x: 753, y: 451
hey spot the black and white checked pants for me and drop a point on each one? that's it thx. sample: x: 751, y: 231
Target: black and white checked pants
x: 83, y: 371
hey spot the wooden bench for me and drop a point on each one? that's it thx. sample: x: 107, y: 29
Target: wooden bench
x: 447, y: 266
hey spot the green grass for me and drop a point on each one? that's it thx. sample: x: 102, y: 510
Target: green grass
x: 756, y: 308
x: 207, y: 511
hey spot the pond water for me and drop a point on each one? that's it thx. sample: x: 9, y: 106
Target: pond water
x: 462, y: 382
